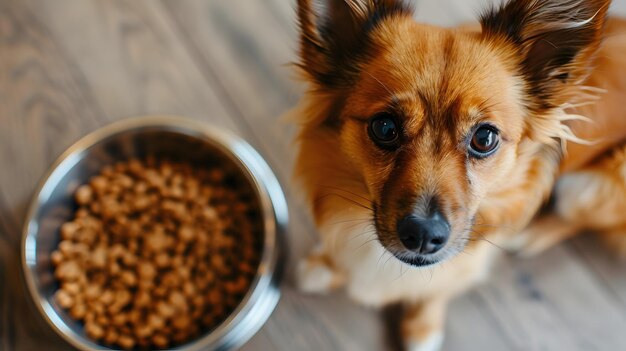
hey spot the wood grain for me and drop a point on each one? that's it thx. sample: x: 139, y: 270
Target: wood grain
x: 70, y: 66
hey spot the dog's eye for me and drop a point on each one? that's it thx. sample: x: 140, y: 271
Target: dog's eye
x: 383, y: 129
x: 484, y: 141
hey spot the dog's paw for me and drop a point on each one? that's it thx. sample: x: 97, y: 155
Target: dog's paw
x: 313, y: 275
x: 432, y: 342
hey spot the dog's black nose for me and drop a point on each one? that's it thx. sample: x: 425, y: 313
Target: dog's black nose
x: 424, y: 235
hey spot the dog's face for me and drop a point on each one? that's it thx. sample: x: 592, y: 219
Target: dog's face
x: 433, y: 118
x: 432, y: 128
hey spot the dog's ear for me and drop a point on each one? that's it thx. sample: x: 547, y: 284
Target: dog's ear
x: 334, y: 36
x: 555, y: 40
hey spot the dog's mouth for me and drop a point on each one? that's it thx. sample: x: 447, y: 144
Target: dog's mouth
x: 416, y: 261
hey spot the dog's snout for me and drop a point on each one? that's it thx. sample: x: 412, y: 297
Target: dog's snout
x: 423, y: 235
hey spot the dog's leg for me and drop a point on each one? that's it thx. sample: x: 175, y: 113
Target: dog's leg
x: 592, y: 198
x: 422, y: 325
x: 545, y: 232
x: 317, y: 273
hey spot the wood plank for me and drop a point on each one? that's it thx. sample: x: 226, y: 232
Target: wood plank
x: 43, y: 108
x: 471, y: 327
x: 6, y: 328
x: 554, y: 302
x: 608, y: 268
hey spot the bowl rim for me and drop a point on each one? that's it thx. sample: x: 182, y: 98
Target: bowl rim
x: 262, y: 297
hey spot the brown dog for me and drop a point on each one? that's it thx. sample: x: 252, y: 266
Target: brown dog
x: 417, y: 142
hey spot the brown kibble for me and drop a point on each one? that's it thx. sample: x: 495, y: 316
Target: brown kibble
x: 114, y: 268
x: 69, y: 230
x: 145, y: 285
x: 141, y: 187
x: 124, y: 181
x: 143, y: 331
x: 178, y: 301
x: 111, y: 336
x: 237, y: 286
x: 160, y: 341
x: 156, y: 322
x: 146, y: 271
x: 107, y: 297
x: 82, y: 213
x: 165, y: 310
x: 56, y: 257
x: 92, y: 292
x: 126, y: 342
x: 162, y: 260
x: 129, y: 259
x: 98, y: 257
x: 66, y: 247
x: 64, y: 299
x: 176, y: 192
x: 186, y: 233
x: 214, y: 297
x: 209, y: 214
x: 120, y: 319
x: 160, y: 292
x: 116, y: 251
x: 189, y: 289
x: 97, y: 307
x: 102, y: 320
x: 129, y: 278
x: 157, y: 241
x: 181, y: 323
x: 99, y: 184
x: 198, y: 302
x: 121, y: 299
x: 90, y: 316
x: 142, y: 299
x: 72, y: 288
x: 149, y: 258
x: 135, y: 316
x: 83, y: 195
x: 135, y: 167
x: 94, y: 330
x: 68, y: 270
x: 78, y: 311
x: 141, y: 203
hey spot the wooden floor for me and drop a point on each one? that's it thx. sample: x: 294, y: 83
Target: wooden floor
x: 68, y: 67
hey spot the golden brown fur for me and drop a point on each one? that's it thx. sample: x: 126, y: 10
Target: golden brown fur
x: 525, y: 73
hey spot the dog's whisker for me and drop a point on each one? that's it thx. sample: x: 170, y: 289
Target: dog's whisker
x: 349, y: 192
x: 322, y: 197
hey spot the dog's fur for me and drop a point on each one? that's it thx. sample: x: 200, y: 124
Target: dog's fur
x: 549, y: 74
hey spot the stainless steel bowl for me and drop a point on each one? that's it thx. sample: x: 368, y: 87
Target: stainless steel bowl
x: 176, y: 137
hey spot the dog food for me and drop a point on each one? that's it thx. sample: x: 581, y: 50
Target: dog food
x: 157, y: 253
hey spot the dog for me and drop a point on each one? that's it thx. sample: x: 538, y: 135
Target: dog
x: 420, y: 146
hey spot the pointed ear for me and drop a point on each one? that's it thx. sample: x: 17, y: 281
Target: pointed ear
x: 555, y: 40
x: 334, y: 36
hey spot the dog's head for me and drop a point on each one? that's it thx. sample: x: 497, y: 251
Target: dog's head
x: 436, y: 120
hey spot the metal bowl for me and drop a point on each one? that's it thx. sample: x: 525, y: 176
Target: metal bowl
x: 184, y: 140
